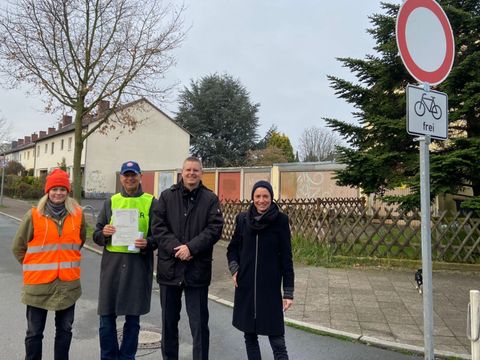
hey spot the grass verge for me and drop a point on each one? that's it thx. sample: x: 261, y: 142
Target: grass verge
x: 310, y: 252
x: 90, y: 230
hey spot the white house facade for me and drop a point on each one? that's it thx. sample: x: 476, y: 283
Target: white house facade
x: 24, y: 154
x: 156, y: 142
x: 56, y: 148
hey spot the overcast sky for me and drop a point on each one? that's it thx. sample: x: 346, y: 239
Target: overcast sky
x: 280, y: 50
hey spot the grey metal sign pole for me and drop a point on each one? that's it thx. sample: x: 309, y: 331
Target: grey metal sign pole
x: 3, y: 174
x: 429, y: 59
x: 426, y: 247
x: 3, y: 180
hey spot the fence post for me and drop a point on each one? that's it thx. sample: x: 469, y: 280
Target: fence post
x: 473, y: 323
x: 331, y: 226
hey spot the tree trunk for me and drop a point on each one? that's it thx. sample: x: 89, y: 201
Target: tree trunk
x: 77, y: 155
x: 475, y: 188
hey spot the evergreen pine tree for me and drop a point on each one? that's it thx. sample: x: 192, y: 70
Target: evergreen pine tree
x: 381, y: 155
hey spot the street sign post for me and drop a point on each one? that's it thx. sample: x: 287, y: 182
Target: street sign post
x: 3, y: 164
x: 426, y: 45
x: 427, y: 112
x: 1, y: 185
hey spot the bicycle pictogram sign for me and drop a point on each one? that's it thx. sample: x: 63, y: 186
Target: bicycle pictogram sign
x: 427, y: 112
x: 428, y: 104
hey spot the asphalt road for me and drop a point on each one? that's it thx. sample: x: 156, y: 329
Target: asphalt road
x: 226, y: 343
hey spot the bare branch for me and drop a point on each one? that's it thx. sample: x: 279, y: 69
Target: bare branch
x: 89, y: 50
x: 81, y: 52
x: 5, y: 130
x: 318, y: 144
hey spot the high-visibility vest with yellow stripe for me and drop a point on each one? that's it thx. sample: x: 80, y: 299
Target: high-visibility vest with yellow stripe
x: 50, y: 255
x: 142, y: 203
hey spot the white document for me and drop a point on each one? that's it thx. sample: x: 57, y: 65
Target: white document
x: 133, y: 247
x: 126, y: 227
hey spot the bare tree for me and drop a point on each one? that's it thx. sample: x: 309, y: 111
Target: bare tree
x: 5, y: 132
x: 79, y: 53
x: 318, y: 144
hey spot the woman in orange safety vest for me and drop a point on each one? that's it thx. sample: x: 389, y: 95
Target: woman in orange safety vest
x: 48, y: 244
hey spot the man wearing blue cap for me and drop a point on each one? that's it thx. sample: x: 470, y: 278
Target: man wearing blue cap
x: 126, y: 271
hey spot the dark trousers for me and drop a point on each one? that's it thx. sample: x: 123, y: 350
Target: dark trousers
x: 36, y: 319
x: 196, y: 302
x: 276, y: 342
x: 109, y: 349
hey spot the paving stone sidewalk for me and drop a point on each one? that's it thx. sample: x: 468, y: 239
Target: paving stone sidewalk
x: 379, y: 306
x: 374, y: 304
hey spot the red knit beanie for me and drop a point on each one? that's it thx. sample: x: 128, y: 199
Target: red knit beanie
x: 57, y: 177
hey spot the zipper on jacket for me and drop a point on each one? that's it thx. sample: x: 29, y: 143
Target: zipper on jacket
x: 255, y: 280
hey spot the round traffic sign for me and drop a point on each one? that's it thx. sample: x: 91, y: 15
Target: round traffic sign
x: 425, y: 40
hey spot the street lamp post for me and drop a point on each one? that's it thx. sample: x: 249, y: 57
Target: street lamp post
x: 3, y: 180
x: 3, y: 174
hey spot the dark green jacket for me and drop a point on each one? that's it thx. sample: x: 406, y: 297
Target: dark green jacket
x: 57, y: 295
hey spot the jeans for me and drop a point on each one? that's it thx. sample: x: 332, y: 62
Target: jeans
x: 196, y: 303
x: 109, y: 349
x: 276, y: 342
x: 36, y: 319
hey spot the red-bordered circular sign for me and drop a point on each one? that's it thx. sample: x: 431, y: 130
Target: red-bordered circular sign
x: 438, y: 75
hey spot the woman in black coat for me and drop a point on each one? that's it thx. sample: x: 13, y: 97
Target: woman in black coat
x: 260, y: 258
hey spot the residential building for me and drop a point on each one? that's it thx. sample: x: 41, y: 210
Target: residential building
x: 155, y: 142
x: 24, y: 152
x: 49, y: 153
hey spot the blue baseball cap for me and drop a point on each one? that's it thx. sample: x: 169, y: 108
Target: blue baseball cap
x: 130, y: 166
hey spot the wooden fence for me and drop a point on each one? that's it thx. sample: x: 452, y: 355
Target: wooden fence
x: 348, y: 228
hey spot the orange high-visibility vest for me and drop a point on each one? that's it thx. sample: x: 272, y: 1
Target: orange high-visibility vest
x: 50, y: 255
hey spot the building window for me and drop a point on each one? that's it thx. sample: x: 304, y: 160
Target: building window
x: 70, y: 143
x: 52, y: 147
x: 46, y: 148
x: 28, y: 155
x: 20, y: 157
x: 38, y: 151
x: 61, y: 144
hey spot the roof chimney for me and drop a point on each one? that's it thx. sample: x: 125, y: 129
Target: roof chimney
x: 51, y: 130
x: 66, y: 120
x: 19, y: 142
x: 27, y: 139
x: 102, y: 106
x: 34, y: 137
x: 87, y: 119
x: 42, y: 133
x: 14, y: 144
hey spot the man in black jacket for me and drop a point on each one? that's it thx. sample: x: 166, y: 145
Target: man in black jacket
x: 186, y: 225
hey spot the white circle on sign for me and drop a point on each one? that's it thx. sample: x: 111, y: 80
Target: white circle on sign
x: 426, y: 40
x: 432, y: 39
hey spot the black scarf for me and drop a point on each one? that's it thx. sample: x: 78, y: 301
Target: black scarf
x: 189, y: 196
x: 56, y: 211
x: 257, y: 221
